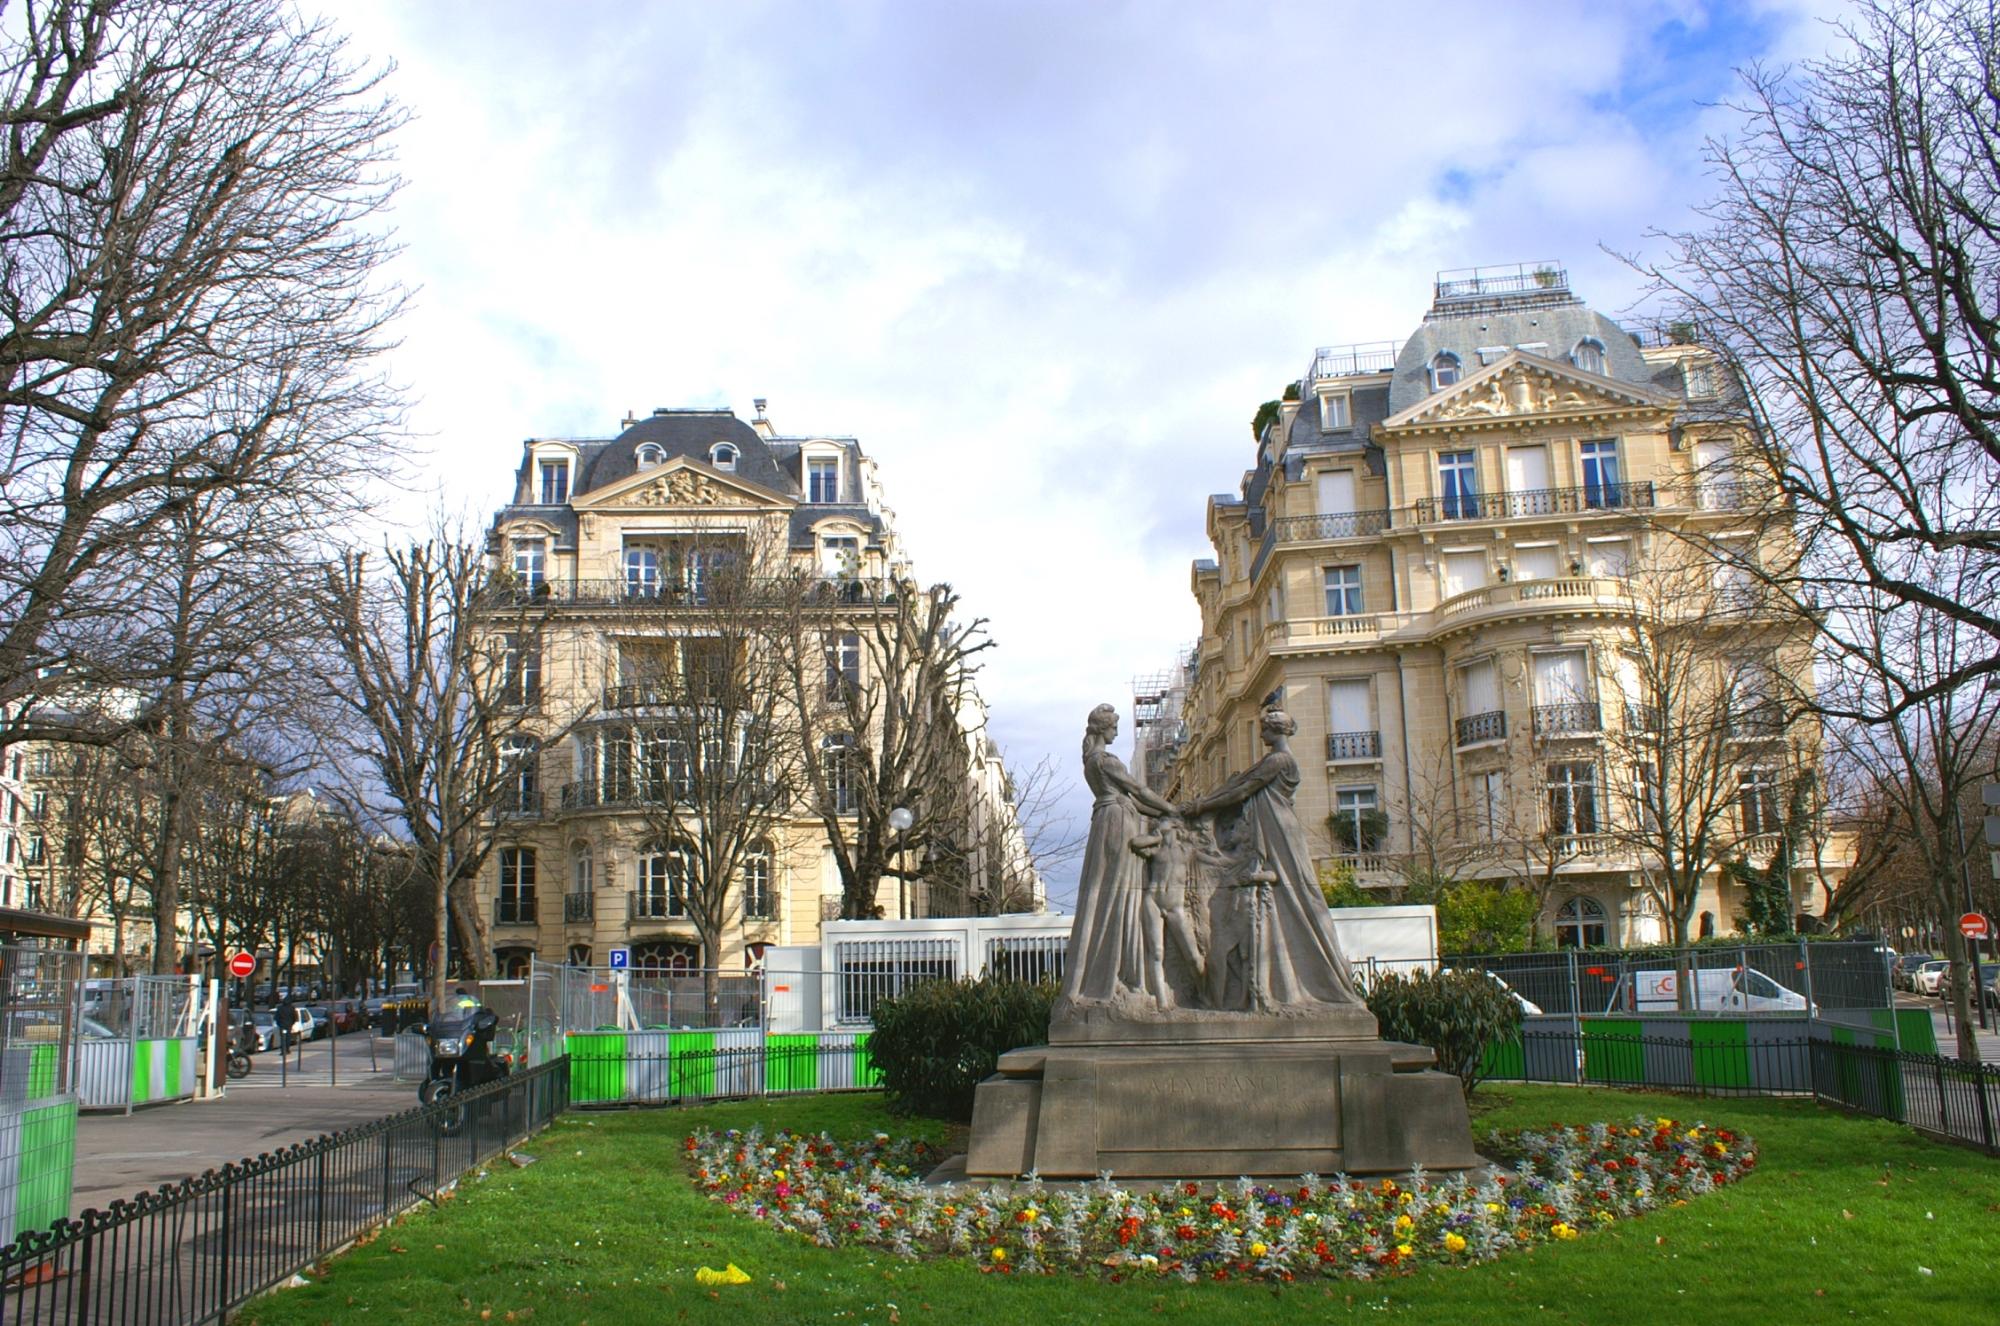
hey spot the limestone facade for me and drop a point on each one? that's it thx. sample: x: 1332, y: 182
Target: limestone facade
x: 1432, y: 564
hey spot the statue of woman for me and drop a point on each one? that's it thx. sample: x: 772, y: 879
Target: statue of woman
x: 1298, y: 960
x: 1107, y: 945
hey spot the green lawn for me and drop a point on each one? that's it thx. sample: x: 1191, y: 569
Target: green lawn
x: 606, y: 1228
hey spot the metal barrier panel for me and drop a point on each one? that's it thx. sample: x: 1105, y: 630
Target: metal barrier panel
x: 37, y: 1165
x: 38, y: 1020
x: 867, y: 971
x: 1029, y: 959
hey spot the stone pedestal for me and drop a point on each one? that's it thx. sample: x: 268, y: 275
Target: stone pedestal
x: 1219, y: 1106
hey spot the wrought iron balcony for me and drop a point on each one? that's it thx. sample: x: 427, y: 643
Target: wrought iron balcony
x: 579, y: 906
x: 516, y: 803
x: 1532, y: 503
x: 667, y: 591
x: 1336, y: 525
x: 649, y: 905
x: 1757, y: 722
x: 1568, y: 720
x: 1463, y: 283
x: 1353, y: 745
x: 515, y: 909
x: 1642, y: 718
x: 1475, y: 728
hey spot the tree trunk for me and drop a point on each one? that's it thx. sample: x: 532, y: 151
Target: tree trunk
x: 1957, y: 948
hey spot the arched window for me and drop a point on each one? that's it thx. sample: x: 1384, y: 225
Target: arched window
x: 723, y: 456
x: 1580, y: 924
x: 758, y: 904
x: 661, y: 891
x: 513, y: 963
x: 666, y: 957
x: 651, y: 454
x: 579, y: 955
x: 1588, y: 355
x: 1707, y: 925
x: 583, y: 870
x: 753, y: 957
x: 1444, y: 369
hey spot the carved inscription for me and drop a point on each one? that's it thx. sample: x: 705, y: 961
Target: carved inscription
x: 1162, y: 1105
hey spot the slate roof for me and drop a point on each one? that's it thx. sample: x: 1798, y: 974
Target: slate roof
x: 1557, y: 326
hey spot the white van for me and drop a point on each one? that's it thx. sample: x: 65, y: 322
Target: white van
x: 1717, y: 990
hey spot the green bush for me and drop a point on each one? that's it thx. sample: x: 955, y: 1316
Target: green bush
x: 936, y: 1041
x: 1460, y: 1014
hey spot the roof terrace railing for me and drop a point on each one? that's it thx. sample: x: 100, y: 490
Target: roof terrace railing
x: 1340, y: 361
x: 1516, y: 278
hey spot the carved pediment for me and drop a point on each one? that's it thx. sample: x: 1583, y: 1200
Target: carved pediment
x: 682, y: 482
x: 1523, y: 385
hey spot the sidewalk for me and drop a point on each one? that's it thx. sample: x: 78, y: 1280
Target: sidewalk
x: 120, y: 1155
x: 1947, y: 1033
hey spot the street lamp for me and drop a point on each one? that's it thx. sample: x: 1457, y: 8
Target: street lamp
x: 900, y: 820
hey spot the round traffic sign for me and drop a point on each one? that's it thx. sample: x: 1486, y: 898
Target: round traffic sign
x: 1974, y: 926
x: 242, y: 964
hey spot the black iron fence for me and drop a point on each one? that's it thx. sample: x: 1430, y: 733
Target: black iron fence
x: 194, y: 1251
x: 1949, y: 1098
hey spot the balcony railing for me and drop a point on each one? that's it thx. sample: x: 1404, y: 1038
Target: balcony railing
x: 1567, y: 720
x: 1342, y: 361
x: 1532, y: 503
x: 664, y: 591
x: 610, y: 796
x: 517, y: 802
x: 579, y: 906
x: 1642, y: 718
x: 1757, y: 722
x: 1583, y: 844
x: 647, y: 905
x: 1334, y: 525
x: 1516, y: 278
x: 1353, y: 745
x: 1489, y: 726
x: 515, y: 909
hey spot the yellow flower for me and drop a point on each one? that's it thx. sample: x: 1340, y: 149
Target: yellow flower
x: 1562, y: 1230
x: 1454, y: 1243
x: 999, y: 1254
x: 1407, y: 1198
x: 1720, y: 1148
x: 1403, y: 1222
x: 1258, y: 1249
x: 1664, y: 1123
x: 778, y: 1174
x: 1406, y: 1250
x: 1493, y: 1208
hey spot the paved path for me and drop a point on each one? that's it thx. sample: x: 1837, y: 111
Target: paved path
x: 120, y: 1155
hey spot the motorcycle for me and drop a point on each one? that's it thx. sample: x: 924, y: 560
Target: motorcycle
x: 461, y: 1051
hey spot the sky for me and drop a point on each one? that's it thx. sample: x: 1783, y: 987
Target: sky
x: 1044, y: 260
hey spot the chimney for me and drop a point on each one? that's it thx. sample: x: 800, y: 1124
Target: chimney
x: 762, y: 423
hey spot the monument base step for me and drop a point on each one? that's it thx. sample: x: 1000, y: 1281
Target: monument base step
x: 1209, y: 1109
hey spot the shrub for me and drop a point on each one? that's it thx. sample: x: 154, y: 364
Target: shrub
x: 1460, y: 1014
x: 936, y: 1041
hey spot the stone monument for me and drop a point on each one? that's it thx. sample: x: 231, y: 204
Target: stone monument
x: 1208, y: 1023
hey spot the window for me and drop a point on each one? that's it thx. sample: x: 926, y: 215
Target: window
x: 1572, y: 792
x: 520, y: 776
x: 530, y: 564
x: 651, y: 454
x: 1718, y: 483
x: 1580, y: 923
x: 579, y: 955
x: 517, y: 886
x: 1333, y: 412
x: 38, y: 806
x: 708, y: 568
x: 642, y: 572
x: 1757, y: 801
x: 1491, y: 810
x: 836, y: 761
x: 662, y: 886
x: 1601, y: 488
x: 511, y: 964
x: 43, y: 764
x: 666, y: 957
x: 1343, y: 591
x: 843, y: 665
x: 1698, y: 379
x: 840, y: 556
x: 753, y: 957
x: 1589, y: 355
x: 35, y: 851
x: 1335, y: 493
x: 1646, y: 796
x: 1350, y: 723
x: 1735, y: 574
x: 757, y: 901
x: 1358, y: 825
x: 1608, y: 559
x: 1458, y: 485
x: 1539, y: 562
x: 1444, y: 370
x: 1462, y: 572
x: 521, y: 671
x: 583, y: 871
x: 723, y: 456
x: 823, y: 480
x: 554, y: 475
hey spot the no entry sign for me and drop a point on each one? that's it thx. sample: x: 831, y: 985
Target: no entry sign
x: 1974, y: 926
x: 242, y: 964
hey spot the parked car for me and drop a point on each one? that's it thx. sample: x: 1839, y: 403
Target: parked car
x: 265, y: 1023
x: 1930, y: 978
x: 1904, y: 976
x: 322, y: 1021
x: 1716, y: 990
x: 347, y: 1015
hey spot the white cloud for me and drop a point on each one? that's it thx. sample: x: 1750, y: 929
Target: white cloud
x: 1043, y: 260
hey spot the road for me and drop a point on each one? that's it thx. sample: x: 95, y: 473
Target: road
x: 120, y: 1155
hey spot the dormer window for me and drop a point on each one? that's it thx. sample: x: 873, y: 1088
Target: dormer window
x: 1333, y: 412
x: 1444, y: 370
x: 1589, y: 355
x: 554, y: 482
x: 651, y: 454
x: 723, y: 456
x: 823, y: 479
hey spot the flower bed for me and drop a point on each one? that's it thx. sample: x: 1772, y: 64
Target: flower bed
x: 1563, y: 1181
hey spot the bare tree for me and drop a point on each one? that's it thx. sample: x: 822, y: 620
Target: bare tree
x: 438, y: 703
x: 1926, y: 758
x: 880, y: 678
x: 710, y: 760
x: 1008, y: 847
x: 191, y: 306
x: 1850, y: 272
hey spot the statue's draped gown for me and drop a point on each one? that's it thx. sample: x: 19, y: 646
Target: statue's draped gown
x: 1302, y: 955
x: 1107, y: 951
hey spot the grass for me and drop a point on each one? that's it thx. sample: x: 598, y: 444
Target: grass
x: 607, y: 1229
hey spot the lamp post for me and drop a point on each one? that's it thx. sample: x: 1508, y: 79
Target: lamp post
x: 900, y: 820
